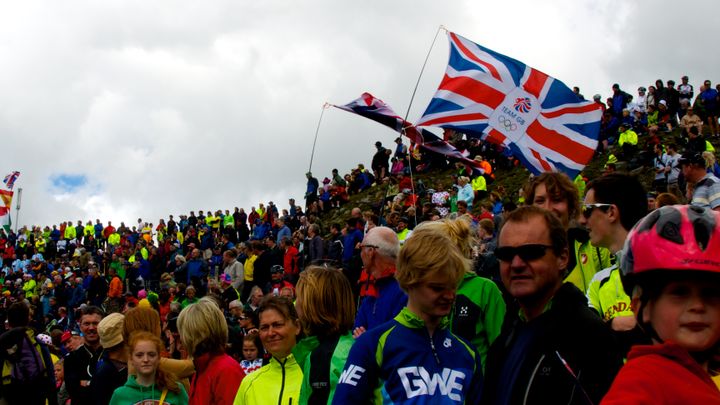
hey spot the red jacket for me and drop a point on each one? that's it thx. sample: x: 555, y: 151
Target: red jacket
x: 662, y: 374
x: 216, y: 380
x: 290, y: 261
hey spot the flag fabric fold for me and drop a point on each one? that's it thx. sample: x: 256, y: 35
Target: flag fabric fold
x: 10, y: 179
x: 375, y: 109
x: 501, y: 100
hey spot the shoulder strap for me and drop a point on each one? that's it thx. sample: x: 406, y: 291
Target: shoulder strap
x: 162, y: 397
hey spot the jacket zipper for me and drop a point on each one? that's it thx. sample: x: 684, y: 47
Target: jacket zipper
x: 282, y: 385
x: 434, y: 352
x: 532, y: 377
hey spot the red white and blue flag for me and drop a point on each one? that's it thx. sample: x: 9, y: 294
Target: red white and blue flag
x: 9, y: 180
x: 489, y: 95
x: 370, y: 107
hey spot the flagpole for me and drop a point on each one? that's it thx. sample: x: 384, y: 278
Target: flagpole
x: 412, y: 97
x: 317, y: 131
x: 17, y: 209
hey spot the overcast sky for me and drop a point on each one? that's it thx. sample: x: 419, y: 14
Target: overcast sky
x: 119, y: 109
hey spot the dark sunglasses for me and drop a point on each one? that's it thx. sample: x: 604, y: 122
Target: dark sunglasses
x: 527, y: 253
x: 588, y: 209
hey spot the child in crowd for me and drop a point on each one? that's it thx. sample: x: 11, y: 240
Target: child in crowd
x: 252, y: 353
x: 148, y: 383
x: 671, y: 264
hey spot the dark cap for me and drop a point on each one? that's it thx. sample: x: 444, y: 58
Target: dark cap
x: 692, y: 158
x: 276, y: 269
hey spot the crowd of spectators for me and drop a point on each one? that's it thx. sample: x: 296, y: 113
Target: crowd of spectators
x: 222, y: 284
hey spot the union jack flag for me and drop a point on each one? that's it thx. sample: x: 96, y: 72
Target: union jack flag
x: 370, y: 107
x: 9, y: 180
x: 492, y: 96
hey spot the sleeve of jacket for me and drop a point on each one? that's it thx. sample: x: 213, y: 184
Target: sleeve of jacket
x: 360, y: 316
x: 494, y: 312
x: 359, y: 377
x: 226, y: 386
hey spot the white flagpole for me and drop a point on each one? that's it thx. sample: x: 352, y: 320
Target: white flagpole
x: 412, y: 97
x: 317, y: 131
x: 17, y: 208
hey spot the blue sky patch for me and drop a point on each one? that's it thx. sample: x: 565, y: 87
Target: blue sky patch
x: 68, y: 182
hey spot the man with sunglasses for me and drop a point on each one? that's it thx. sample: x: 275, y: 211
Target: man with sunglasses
x: 613, y: 204
x: 554, y: 350
x: 556, y: 193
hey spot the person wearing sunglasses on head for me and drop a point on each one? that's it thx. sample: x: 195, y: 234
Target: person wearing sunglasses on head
x: 555, y: 349
x: 556, y: 193
x: 613, y: 204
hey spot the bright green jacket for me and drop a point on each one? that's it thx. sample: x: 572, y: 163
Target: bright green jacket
x: 228, y: 220
x: 588, y: 261
x: 580, y: 184
x: 302, y: 353
x: 277, y: 382
x: 70, y: 232
x: 629, y: 137
x: 607, y: 295
x: 479, y: 183
x: 114, y: 239
x: 478, y: 312
x: 89, y: 230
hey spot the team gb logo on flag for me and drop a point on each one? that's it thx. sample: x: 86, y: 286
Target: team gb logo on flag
x: 522, y: 104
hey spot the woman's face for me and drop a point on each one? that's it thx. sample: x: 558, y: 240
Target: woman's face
x: 250, y: 351
x: 257, y: 297
x: 145, y: 358
x: 278, y: 334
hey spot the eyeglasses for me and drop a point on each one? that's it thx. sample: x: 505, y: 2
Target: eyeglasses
x: 362, y: 246
x: 588, y: 209
x: 527, y: 252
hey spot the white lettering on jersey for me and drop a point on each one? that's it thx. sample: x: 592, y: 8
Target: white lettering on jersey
x: 417, y: 381
x: 351, y: 375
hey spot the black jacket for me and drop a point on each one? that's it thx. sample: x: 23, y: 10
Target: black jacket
x: 568, y: 330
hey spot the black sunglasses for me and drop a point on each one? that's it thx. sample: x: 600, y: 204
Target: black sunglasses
x: 588, y: 209
x: 527, y: 253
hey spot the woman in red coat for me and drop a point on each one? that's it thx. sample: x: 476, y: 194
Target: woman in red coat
x: 204, y: 333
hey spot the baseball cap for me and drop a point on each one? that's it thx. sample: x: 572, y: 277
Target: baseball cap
x: 691, y: 157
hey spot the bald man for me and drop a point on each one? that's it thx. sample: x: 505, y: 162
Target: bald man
x: 384, y: 298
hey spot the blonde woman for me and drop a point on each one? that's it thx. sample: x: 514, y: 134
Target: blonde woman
x: 326, y: 309
x: 204, y: 333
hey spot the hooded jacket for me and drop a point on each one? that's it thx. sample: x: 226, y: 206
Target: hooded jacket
x: 662, y: 374
x: 132, y: 393
x: 278, y: 382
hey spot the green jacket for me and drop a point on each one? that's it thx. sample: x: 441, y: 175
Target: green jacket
x: 607, y: 295
x: 585, y: 260
x: 478, y: 312
x: 277, y: 382
x: 311, y: 372
x: 132, y: 393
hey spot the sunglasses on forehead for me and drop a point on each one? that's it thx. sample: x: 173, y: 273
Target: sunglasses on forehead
x: 588, y: 209
x: 527, y: 253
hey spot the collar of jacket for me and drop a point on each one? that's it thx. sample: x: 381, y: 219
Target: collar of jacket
x: 412, y: 321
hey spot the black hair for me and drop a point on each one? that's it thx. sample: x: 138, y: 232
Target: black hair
x: 624, y: 191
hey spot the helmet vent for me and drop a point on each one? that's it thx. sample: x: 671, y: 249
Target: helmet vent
x: 668, y: 226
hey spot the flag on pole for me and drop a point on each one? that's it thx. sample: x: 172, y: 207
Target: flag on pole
x: 492, y: 96
x: 375, y: 109
x: 9, y: 180
x: 5, y: 204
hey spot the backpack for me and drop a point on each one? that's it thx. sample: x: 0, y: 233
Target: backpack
x: 24, y: 359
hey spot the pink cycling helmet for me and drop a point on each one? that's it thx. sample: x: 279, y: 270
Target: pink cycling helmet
x: 672, y: 238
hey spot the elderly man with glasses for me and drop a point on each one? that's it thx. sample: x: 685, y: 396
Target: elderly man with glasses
x: 378, y: 251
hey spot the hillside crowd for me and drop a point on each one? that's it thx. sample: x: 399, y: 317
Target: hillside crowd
x: 576, y: 291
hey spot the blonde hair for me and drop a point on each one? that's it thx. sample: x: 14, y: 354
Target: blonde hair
x: 458, y: 230
x: 141, y: 319
x: 325, y: 301
x: 427, y: 252
x: 203, y: 327
x: 163, y: 379
x: 709, y: 159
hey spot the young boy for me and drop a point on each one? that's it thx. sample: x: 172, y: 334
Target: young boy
x: 671, y: 264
